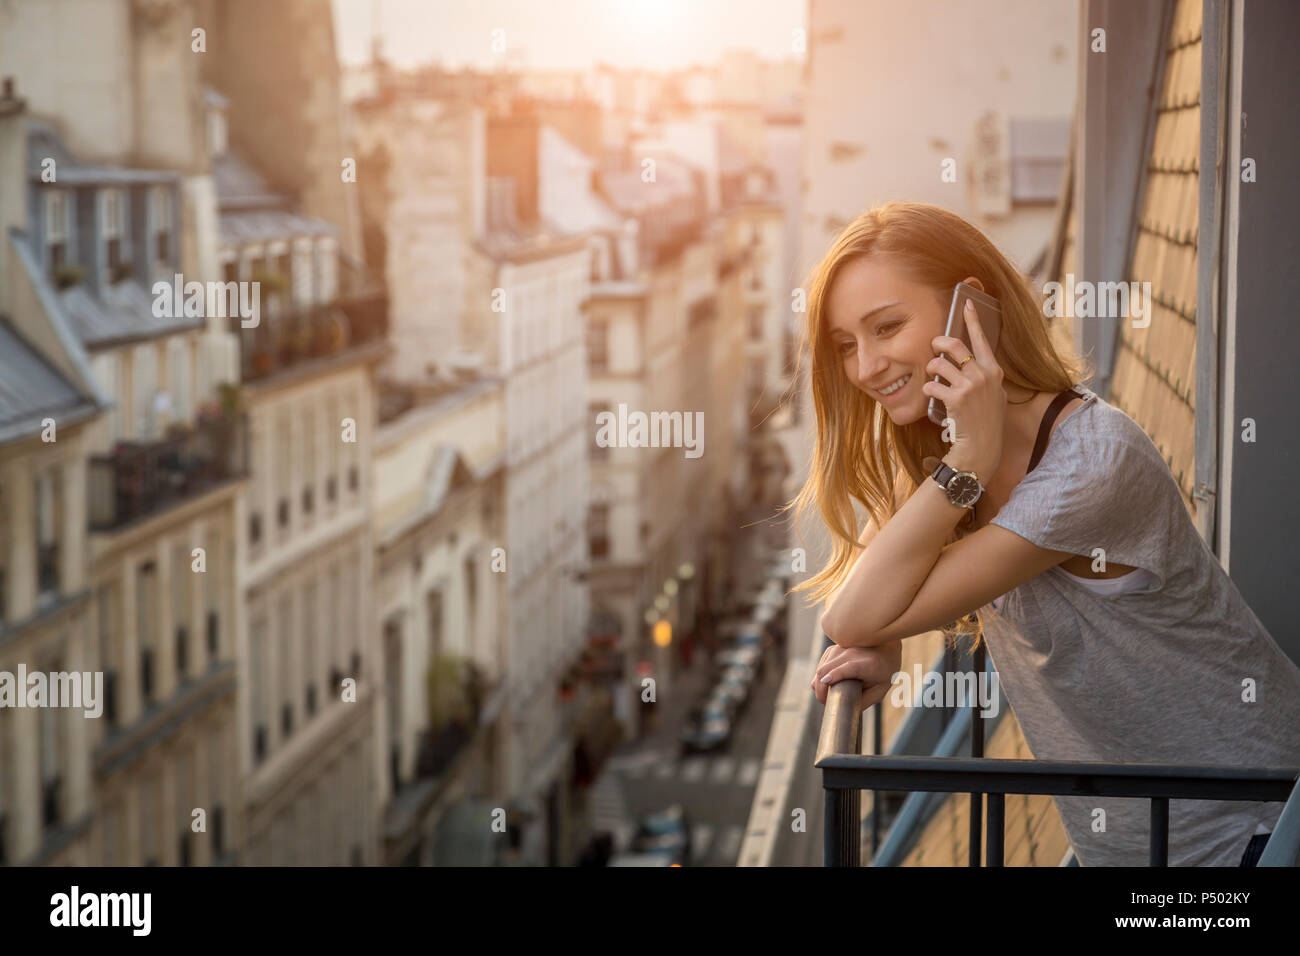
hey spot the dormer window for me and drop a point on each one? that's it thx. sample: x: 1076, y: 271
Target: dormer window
x: 160, y: 225
x: 112, y: 229
x: 217, y: 132
x: 57, y: 229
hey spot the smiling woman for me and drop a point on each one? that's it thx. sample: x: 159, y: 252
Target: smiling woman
x: 1014, y: 501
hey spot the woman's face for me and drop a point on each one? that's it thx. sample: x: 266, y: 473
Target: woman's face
x: 881, y: 325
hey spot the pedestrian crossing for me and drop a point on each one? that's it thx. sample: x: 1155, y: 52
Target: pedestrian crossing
x: 720, y: 770
x: 608, y: 810
x: 711, y: 845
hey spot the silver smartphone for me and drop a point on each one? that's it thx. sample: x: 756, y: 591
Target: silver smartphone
x: 990, y: 313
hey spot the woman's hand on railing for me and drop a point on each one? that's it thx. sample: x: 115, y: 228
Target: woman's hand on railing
x: 874, y: 666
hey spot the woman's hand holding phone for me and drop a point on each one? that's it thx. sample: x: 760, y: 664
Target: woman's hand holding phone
x: 974, y: 398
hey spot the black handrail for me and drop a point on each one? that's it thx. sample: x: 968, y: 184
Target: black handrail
x: 846, y: 772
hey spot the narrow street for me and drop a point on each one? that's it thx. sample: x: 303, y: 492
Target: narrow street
x: 716, y: 790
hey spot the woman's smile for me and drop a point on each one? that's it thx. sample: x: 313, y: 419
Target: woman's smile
x: 895, y: 389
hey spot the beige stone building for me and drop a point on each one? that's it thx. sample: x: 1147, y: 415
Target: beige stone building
x: 441, y: 608
x: 120, y: 197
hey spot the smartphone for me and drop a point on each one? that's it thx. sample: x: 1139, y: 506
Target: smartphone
x: 990, y: 316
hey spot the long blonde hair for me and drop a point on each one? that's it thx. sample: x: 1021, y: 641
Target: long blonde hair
x: 860, y: 454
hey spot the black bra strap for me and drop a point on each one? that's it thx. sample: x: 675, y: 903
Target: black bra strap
x: 1045, y: 429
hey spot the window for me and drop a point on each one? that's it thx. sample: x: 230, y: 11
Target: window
x: 48, y: 532
x: 598, y: 534
x: 302, y: 273
x: 284, y: 644
x: 257, y: 685
x: 283, y: 466
x: 160, y: 225
x: 211, y: 589
x: 471, y: 601
x: 146, y: 627
x: 180, y: 375
x: 332, y: 436
x: 348, y: 619
x: 433, y: 611
x: 756, y: 323
x: 112, y: 232
x: 183, y: 807
x: 309, y: 438
x: 598, y: 451
x: 144, y: 374
x: 1039, y: 150
x: 181, y: 580
x: 334, y: 655
x: 51, y: 781
x: 309, y: 613
x: 598, y: 346
x: 393, y: 681
x: 58, y: 228
x: 107, y: 605
x: 326, y: 271
x: 216, y: 793
x: 217, y: 132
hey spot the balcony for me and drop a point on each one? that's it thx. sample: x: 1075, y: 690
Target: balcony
x: 846, y: 773
x: 458, y: 699
x: 292, y: 338
x: 140, y: 479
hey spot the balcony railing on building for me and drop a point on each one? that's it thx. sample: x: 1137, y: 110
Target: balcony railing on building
x: 286, y: 339
x: 846, y: 772
x: 457, y: 690
x: 140, y: 478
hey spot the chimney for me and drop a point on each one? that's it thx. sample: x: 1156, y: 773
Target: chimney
x: 512, y: 151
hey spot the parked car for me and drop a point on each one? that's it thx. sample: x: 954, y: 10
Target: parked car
x: 667, y: 833
x: 735, y: 685
x: 708, y: 729
x: 749, y: 655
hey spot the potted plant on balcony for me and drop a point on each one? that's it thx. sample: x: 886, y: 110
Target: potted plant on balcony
x: 67, y: 276
x: 449, y: 699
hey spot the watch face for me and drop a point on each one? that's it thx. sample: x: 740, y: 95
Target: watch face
x: 963, y: 489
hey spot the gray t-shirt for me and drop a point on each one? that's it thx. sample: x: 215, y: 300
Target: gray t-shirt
x: 1164, y: 674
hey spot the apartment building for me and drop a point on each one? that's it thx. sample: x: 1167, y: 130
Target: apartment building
x: 117, y: 193
x: 46, y: 613
x: 306, y: 745
x: 440, y: 603
x: 467, y: 235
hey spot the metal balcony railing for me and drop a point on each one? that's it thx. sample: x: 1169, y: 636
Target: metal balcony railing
x: 141, y: 478
x: 846, y: 773
x: 285, y: 339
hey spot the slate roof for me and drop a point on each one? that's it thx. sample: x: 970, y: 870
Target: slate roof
x: 31, y: 389
x: 122, y: 312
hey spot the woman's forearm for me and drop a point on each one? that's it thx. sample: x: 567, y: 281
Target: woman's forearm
x: 887, y: 575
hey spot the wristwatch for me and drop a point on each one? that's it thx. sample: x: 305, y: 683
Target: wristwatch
x: 962, y: 487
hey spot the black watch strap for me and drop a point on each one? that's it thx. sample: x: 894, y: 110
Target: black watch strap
x: 943, y: 473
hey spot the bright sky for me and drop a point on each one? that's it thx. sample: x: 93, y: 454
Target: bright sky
x: 568, y: 34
